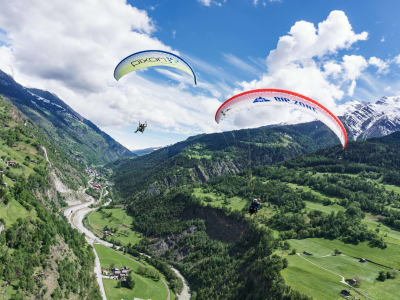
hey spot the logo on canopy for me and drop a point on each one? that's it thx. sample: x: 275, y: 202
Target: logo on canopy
x: 261, y: 99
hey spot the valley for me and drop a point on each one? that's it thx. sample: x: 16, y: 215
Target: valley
x: 177, y: 217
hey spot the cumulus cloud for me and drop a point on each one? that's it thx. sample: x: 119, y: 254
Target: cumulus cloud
x: 307, y: 60
x: 301, y: 62
x: 332, y: 68
x: 383, y: 67
x: 306, y: 41
x: 397, y: 60
x: 73, y: 52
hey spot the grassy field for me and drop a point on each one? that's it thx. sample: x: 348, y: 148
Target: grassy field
x: 319, y: 274
x: 311, y: 280
x: 14, y: 210
x: 235, y: 203
x: 145, y: 288
x: 118, y: 220
x: 308, y: 189
x: 324, y: 208
x: 320, y: 247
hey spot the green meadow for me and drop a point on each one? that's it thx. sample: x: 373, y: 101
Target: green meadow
x: 145, y: 288
x: 13, y: 210
x: 118, y: 221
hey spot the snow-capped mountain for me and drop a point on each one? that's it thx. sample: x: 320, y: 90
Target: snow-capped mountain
x: 366, y: 120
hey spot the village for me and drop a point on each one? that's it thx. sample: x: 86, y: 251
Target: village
x: 116, y: 273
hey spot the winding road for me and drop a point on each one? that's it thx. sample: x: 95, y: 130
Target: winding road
x: 75, y: 215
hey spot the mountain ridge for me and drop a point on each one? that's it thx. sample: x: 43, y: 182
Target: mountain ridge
x: 79, y: 136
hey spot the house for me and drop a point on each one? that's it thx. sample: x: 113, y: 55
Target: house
x: 105, y: 272
x: 351, y: 281
x: 362, y: 260
x: 11, y: 163
x: 95, y: 185
x: 306, y: 253
x: 345, y: 292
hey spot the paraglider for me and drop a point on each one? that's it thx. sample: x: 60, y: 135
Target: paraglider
x: 288, y: 99
x: 254, y: 206
x: 141, y: 127
x: 152, y: 58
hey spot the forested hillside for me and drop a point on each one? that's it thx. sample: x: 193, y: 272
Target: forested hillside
x: 77, y: 136
x: 335, y: 205
x: 41, y: 256
x: 202, y: 157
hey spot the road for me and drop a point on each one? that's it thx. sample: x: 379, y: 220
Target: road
x: 185, y: 294
x: 75, y: 215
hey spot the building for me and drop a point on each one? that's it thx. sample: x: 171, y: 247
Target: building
x: 345, y: 292
x: 11, y: 163
x: 96, y: 185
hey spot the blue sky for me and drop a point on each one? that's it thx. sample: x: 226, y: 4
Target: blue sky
x: 334, y: 51
x: 250, y: 31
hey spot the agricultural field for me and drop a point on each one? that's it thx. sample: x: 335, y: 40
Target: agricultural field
x: 321, y: 273
x: 145, y: 288
x: 117, y: 220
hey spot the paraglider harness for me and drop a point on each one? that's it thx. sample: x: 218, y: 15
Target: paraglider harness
x: 141, y: 127
x: 254, y: 206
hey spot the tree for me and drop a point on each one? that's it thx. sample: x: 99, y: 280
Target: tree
x: 130, y: 282
x: 382, y: 276
x: 338, y: 252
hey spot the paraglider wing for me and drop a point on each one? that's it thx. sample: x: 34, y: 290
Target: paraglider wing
x: 275, y: 97
x: 152, y: 58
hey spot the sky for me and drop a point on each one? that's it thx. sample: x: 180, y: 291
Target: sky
x: 337, y: 52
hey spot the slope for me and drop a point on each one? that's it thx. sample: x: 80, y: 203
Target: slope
x: 347, y: 200
x: 206, y: 156
x: 41, y: 255
x: 79, y: 137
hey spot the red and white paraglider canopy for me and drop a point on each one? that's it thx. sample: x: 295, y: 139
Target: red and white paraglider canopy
x: 283, y: 98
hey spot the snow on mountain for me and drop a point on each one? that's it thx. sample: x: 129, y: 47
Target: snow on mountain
x: 366, y: 120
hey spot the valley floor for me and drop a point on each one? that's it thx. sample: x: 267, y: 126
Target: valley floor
x: 145, y: 288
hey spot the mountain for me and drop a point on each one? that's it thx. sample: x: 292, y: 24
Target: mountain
x: 366, y: 120
x: 41, y: 256
x: 145, y: 151
x: 78, y: 136
x: 205, y: 156
x: 313, y: 208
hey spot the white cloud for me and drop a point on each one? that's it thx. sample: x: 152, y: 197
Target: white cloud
x: 255, y: 2
x: 332, y: 68
x: 353, y: 65
x: 73, y: 52
x: 208, y: 3
x: 239, y: 63
x: 205, y: 2
x: 303, y: 62
x: 383, y: 67
x: 383, y: 39
x: 397, y: 60
x: 305, y: 41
